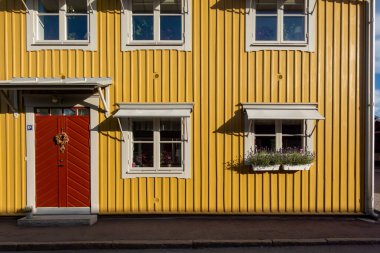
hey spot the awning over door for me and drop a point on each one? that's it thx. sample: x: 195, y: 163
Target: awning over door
x: 91, y: 85
x: 151, y: 110
x: 297, y: 111
x: 55, y: 83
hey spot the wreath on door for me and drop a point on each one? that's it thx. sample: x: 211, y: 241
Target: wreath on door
x: 61, y: 140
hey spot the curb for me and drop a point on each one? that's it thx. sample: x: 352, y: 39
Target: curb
x: 175, y: 244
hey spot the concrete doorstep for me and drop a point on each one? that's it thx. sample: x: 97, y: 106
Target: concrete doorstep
x: 57, y: 220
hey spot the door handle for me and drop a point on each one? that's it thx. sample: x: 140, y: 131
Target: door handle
x: 60, y: 165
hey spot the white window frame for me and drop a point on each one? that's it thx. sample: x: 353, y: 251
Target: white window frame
x: 127, y: 44
x: 129, y: 112
x: 280, y: 44
x: 305, y: 134
x: 34, y: 44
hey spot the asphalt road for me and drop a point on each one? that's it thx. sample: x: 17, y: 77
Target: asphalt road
x: 295, y: 249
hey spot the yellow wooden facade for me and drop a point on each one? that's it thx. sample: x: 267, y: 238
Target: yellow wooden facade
x: 217, y: 75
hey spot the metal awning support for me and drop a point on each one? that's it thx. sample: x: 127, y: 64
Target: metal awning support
x: 105, y: 100
x: 122, y: 6
x: 121, y: 130
x: 13, y: 107
x: 89, y: 3
x: 26, y: 6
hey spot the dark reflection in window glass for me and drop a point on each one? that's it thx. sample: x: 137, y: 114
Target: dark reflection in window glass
x: 266, y: 28
x: 48, y: 6
x: 294, y: 28
x: 142, y: 155
x: 77, y: 27
x: 142, y: 130
x: 264, y: 142
x: 56, y: 111
x: 265, y: 127
x: 142, y: 6
x: 171, y: 28
x: 42, y: 111
x: 69, y: 112
x: 171, y: 154
x: 142, y: 27
x: 48, y: 27
x: 292, y: 126
x: 170, y: 130
x: 294, y: 142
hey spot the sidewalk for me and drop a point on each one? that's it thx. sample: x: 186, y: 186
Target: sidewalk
x: 192, y: 232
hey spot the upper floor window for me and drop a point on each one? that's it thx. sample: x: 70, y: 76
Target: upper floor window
x: 61, y: 24
x: 156, y: 24
x: 280, y: 24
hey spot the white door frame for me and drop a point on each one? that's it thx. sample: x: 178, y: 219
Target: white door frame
x: 65, y: 100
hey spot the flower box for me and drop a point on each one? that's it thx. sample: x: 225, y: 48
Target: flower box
x: 297, y: 167
x: 266, y: 168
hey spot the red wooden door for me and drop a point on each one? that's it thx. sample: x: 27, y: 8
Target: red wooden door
x: 62, y: 174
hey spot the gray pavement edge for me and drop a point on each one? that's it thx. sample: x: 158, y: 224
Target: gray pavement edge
x: 173, y: 244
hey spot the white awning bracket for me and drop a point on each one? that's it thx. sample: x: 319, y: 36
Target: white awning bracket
x: 26, y: 6
x: 104, y: 101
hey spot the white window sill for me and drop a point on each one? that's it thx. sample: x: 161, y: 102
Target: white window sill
x: 288, y: 47
x: 181, y: 175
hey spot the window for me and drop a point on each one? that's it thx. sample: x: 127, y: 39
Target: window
x: 61, y: 24
x: 280, y: 24
x: 156, y: 24
x: 279, y: 126
x: 280, y: 134
x: 156, y: 140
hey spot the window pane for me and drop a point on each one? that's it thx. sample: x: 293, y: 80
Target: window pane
x: 142, y: 6
x: 48, y: 6
x: 266, y: 7
x: 171, y: 28
x: 294, y: 6
x: 142, y: 130
x: 294, y: 142
x: 48, y: 27
x: 266, y: 28
x: 262, y: 142
x: 77, y: 27
x: 83, y: 112
x: 76, y: 6
x: 294, y: 28
x: 69, y: 112
x: 142, y: 155
x: 171, y: 155
x: 170, y: 6
x: 265, y: 127
x: 56, y: 111
x: 42, y: 111
x: 170, y: 130
x: 142, y: 27
x: 292, y: 127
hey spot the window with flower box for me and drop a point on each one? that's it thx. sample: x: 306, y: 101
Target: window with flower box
x: 275, y: 126
x: 61, y: 24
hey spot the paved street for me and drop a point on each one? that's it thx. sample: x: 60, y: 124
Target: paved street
x: 295, y: 249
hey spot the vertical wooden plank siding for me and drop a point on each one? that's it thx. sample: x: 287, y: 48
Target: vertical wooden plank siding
x: 217, y: 75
